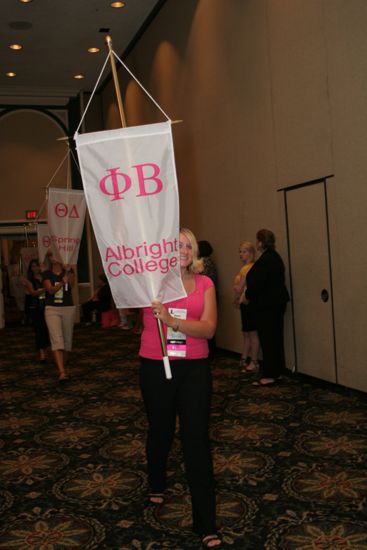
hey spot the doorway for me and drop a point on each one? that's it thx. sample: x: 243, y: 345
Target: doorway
x: 306, y: 209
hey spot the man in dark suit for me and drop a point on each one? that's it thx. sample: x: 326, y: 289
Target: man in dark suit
x: 267, y: 293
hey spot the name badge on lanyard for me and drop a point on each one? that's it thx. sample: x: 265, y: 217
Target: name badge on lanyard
x: 176, y: 341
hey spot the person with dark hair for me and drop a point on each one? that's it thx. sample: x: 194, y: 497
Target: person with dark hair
x: 191, y: 320
x: 100, y: 301
x: 210, y: 269
x: 267, y: 293
x: 36, y: 305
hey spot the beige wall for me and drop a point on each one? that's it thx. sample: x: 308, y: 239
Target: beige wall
x: 29, y: 157
x: 93, y: 122
x: 272, y: 93
x: 346, y: 43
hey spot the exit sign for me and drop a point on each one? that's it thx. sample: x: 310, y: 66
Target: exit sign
x: 31, y: 214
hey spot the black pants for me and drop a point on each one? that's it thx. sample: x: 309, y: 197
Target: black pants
x: 90, y: 306
x: 187, y: 395
x: 37, y: 316
x: 270, y: 330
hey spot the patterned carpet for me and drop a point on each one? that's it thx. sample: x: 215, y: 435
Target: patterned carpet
x: 290, y: 460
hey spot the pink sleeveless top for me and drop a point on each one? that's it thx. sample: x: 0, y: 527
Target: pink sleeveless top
x: 197, y: 348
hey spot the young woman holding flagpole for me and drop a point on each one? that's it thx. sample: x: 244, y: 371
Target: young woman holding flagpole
x: 181, y: 327
x: 188, y: 323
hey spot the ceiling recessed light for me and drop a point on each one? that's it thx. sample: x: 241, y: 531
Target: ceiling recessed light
x: 117, y: 4
x: 15, y: 46
x: 25, y: 1
x: 78, y: 76
x: 93, y: 50
x: 10, y: 74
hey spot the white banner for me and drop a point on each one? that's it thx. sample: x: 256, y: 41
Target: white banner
x: 43, y: 240
x: 130, y: 183
x: 66, y: 214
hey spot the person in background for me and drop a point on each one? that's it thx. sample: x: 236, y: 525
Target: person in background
x: 131, y: 319
x: 210, y: 270
x: 250, y: 351
x: 16, y: 289
x: 268, y: 295
x: 59, y: 311
x: 100, y: 301
x: 37, y: 295
x: 138, y: 323
x: 125, y: 315
x: 192, y: 320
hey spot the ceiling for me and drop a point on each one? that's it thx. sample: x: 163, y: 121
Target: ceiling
x: 55, y: 35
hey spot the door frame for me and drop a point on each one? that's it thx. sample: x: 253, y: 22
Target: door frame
x: 323, y: 181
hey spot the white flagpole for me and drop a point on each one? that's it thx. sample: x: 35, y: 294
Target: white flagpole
x: 166, y: 363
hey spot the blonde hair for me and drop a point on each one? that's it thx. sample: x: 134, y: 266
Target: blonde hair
x: 250, y: 247
x: 197, y: 265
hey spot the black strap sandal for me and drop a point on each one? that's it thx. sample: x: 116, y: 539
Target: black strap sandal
x: 208, y: 539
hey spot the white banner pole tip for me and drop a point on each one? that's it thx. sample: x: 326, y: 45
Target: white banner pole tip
x: 167, y: 367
